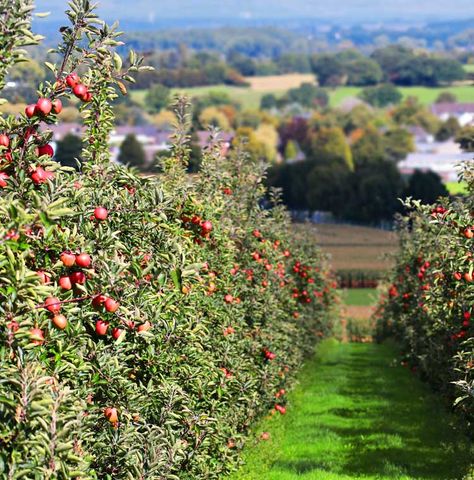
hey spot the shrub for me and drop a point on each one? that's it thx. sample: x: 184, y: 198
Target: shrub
x: 147, y: 322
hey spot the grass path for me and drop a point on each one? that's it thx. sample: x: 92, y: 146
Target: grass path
x: 357, y: 414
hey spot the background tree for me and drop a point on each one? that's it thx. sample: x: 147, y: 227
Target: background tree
x: 381, y: 95
x: 268, y: 101
x: 68, y: 152
x: 425, y: 186
x: 447, y: 129
x: 157, y: 98
x: 132, y: 153
x: 465, y: 138
x: 446, y: 97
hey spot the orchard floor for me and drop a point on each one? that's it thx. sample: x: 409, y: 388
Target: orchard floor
x: 357, y: 414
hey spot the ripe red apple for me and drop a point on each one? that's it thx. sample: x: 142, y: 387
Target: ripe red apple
x: 43, y: 277
x: 265, y: 436
x: 57, y: 106
x: 68, y: 259
x: 468, y: 277
x: 4, y: 140
x: 37, y: 336
x: 101, y: 327
x: 98, y: 301
x: 281, y: 409
x: 44, y: 106
x: 79, y: 90
x: 72, y: 79
x: 53, y: 304
x: 78, y: 277
x: 46, y: 150
x: 101, y: 213
x: 83, y: 260
x: 228, y: 298
x: 457, y: 276
x: 206, y: 226
x: 116, y: 332
x: 3, y: 179
x: 111, y: 305
x: 30, y: 111
x: 65, y: 283
x: 60, y: 321
x: 87, y: 97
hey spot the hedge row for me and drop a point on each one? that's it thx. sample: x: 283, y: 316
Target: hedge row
x: 146, y: 322
x: 429, y: 306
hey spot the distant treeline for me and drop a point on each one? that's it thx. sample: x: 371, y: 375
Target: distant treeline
x: 395, y: 64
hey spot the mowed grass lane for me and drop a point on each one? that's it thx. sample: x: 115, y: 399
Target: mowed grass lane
x: 357, y: 414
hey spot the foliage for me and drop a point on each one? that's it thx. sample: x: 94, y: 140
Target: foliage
x: 381, y: 95
x: 68, y: 152
x: 425, y: 186
x: 189, y: 309
x: 157, y: 98
x: 132, y: 153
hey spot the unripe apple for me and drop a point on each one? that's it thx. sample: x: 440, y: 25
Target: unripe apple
x: 83, y: 260
x: 68, y: 259
x: 111, y: 414
x: 37, y: 336
x: 44, y: 106
x: 52, y: 304
x: 57, y: 106
x: 101, y: 213
x: 3, y: 179
x: 78, y: 277
x: 46, y: 150
x: 60, y: 321
x: 72, y: 79
x: 30, y: 111
x: 79, y: 90
x: 111, y: 305
x: 101, y: 327
x: 4, y: 140
x: 65, y: 283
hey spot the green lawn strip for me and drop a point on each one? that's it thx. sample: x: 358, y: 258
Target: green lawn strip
x: 455, y: 188
x: 357, y: 414
x: 359, y: 296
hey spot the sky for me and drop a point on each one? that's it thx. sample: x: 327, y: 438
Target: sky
x: 366, y: 10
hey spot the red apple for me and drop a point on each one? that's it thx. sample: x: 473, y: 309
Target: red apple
x: 68, y: 259
x: 101, y: 213
x: 144, y: 327
x: 206, y: 226
x: 65, y: 283
x: 37, y: 336
x: 116, y: 332
x: 57, y: 106
x: 72, y: 79
x: 60, y: 321
x: 78, y: 277
x: 111, y: 305
x: 111, y: 415
x: 53, y: 304
x: 30, y: 111
x: 3, y: 179
x: 79, y: 90
x: 44, y: 106
x: 46, y: 150
x: 228, y: 298
x: 4, y: 140
x: 101, y: 327
x: 43, y: 277
x: 83, y: 260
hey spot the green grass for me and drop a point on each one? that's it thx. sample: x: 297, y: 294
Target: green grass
x: 357, y: 414
x: 359, y: 296
x: 469, y: 68
x: 455, y: 188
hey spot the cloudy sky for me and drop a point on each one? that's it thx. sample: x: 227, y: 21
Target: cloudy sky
x: 143, y: 10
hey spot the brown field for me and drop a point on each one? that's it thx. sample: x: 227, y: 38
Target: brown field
x: 354, y: 248
x: 280, y: 82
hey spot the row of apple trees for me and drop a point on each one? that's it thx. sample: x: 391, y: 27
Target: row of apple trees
x: 145, y: 323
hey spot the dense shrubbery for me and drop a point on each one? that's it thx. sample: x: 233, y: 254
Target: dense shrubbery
x: 146, y: 322
x: 429, y: 305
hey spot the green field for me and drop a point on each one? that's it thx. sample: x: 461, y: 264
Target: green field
x: 469, y: 68
x: 359, y: 297
x: 250, y: 98
x: 455, y: 188
x: 357, y: 414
